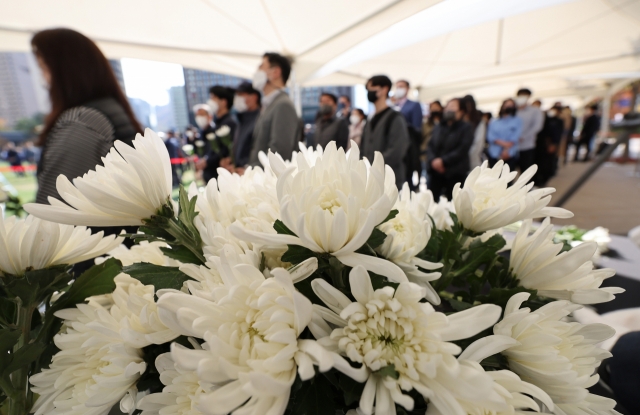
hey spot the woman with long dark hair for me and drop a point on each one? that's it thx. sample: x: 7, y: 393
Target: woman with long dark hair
x: 89, y: 111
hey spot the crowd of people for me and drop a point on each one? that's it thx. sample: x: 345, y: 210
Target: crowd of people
x: 441, y: 143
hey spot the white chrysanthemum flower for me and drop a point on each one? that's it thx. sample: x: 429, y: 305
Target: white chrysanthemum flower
x: 133, y: 185
x: 32, y: 243
x: 439, y: 212
x: 100, y: 357
x: 538, y: 265
x: 598, y: 235
x: 559, y: 357
x: 487, y: 201
x: 181, y: 392
x: 392, y: 327
x: 333, y: 206
x: 407, y: 235
x: 251, y: 331
x: 143, y: 252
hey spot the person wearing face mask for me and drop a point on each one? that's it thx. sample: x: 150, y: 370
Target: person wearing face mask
x: 387, y: 130
x: 412, y: 112
x: 328, y: 126
x: 547, y: 144
x: 532, y: 122
x: 219, y: 155
x: 448, y: 151
x: 503, y: 135
x: 428, y: 124
x: 278, y: 127
x: 203, y: 118
x: 247, y: 107
x: 357, y: 120
x: 344, y: 107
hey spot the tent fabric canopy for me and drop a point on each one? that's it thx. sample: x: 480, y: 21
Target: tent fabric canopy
x: 562, y: 49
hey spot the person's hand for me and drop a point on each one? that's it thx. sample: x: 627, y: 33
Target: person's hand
x: 551, y: 148
x: 226, y: 164
x: 438, y: 165
x: 201, y: 164
x: 239, y: 170
x: 505, y: 154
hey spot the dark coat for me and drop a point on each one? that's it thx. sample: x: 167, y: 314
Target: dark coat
x: 333, y: 129
x: 244, y: 137
x: 451, y: 143
x: 220, y: 150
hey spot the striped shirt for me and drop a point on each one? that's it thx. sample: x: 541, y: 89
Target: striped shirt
x: 75, y: 145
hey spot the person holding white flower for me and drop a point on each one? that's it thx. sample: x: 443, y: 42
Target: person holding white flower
x: 219, y: 154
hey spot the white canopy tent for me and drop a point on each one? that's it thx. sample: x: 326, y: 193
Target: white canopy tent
x: 562, y: 49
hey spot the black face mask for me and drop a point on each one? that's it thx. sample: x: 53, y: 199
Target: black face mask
x: 372, y: 96
x: 448, y: 116
x: 341, y: 106
x: 435, y: 114
x: 509, y: 111
x: 326, y: 110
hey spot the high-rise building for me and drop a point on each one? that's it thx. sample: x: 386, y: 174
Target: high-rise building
x: 22, y: 95
x: 178, y: 100
x: 117, y: 71
x: 198, y: 82
x: 142, y: 111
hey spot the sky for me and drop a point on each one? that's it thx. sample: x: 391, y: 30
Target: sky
x: 150, y: 80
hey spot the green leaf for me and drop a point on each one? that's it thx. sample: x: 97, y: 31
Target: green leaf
x: 458, y: 305
x: 7, y: 311
x: 282, y: 229
x: 296, y: 254
x: 35, y: 285
x: 97, y: 280
x: 390, y: 216
x: 389, y: 370
x: 181, y: 254
x: 351, y: 389
x: 315, y: 397
x: 8, y: 338
x: 158, y: 276
x: 24, y: 357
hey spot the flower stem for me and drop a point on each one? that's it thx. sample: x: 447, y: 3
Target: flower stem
x: 20, y: 401
x: 185, y: 239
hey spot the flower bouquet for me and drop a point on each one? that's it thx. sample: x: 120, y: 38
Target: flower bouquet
x: 306, y: 287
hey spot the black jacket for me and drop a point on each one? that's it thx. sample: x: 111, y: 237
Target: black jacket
x: 451, y: 143
x: 244, y: 137
x: 222, y: 151
x: 590, y: 128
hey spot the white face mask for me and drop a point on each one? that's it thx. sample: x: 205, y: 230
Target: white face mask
x: 189, y: 134
x: 202, y: 121
x: 521, y: 100
x: 240, y: 103
x: 354, y: 119
x: 400, y: 93
x: 213, y: 105
x: 552, y: 113
x: 259, y: 80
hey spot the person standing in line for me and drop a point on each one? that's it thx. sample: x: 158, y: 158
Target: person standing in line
x: 278, y: 127
x: 547, y: 144
x: 219, y: 155
x: 328, y: 126
x: 434, y: 118
x: 386, y: 132
x: 357, y: 121
x: 532, y: 122
x: 412, y: 112
x: 474, y: 117
x: 344, y: 107
x: 589, y: 130
x: 203, y: 118
x: 247, y: 106
x: 503, y: 135
x: 173, y: 148
x: 448, y: 151
x: 567, y: 134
